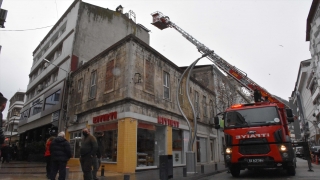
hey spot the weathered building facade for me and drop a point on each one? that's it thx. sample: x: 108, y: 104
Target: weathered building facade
x: 82, y: 32
x: 129, y: 92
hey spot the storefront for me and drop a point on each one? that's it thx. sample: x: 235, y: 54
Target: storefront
x: 131, y: 144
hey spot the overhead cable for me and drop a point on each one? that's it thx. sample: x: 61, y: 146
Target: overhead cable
x: 28, y: 29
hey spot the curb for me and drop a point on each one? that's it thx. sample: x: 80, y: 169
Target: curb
x: 198, y: 176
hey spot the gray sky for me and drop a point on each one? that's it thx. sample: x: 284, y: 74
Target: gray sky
x: 264, y: 38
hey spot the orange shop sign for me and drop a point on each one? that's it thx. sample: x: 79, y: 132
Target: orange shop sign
x: 169, y: 122
x: 105, y: 117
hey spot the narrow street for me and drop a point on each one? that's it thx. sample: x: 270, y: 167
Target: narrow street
x: 301, y: 173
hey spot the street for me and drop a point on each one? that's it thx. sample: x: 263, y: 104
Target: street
x: 301, y: 173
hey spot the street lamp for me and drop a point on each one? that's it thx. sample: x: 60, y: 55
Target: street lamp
x: 46, y: 60
x: 190, y: 154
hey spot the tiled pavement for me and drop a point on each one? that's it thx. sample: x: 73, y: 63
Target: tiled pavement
x: 17, y: 170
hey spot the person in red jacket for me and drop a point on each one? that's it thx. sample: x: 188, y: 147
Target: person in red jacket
x: 53, y: 133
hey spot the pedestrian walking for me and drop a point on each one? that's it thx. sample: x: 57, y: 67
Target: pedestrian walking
x: 3, y: 103
x: 53, y: 133
x: 5, y: 153
x: 96, y: 161
x: 88, y: 150
x: 60, y: 154
x: 15, y: 152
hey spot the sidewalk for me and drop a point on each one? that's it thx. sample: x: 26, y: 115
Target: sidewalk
x: 17, y: 170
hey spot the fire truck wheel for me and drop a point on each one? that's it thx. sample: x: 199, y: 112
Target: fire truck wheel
x: 291, y: 170
x: 235, y: 171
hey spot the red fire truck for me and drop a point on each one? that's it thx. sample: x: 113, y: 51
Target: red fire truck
x: 257, y: 136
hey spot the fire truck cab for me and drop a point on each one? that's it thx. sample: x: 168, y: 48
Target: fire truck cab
x: 257, y: 136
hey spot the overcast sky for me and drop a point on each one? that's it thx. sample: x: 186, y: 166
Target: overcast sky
x: 264, y: 38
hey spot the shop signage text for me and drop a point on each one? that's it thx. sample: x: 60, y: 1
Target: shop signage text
x: 105, y: 117
x: 169, y: 122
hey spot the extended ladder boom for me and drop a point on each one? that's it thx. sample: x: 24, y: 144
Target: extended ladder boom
x: 163, y: 22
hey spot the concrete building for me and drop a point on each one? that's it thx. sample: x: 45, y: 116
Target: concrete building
x: 313, y: 79
x: 11, y: 129
x: 305, y: 112
x: 82, y: 32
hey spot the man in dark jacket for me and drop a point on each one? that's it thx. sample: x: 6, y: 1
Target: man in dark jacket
x: 60, y: 153
x: 3, y: 103
x: 96, y: 161
x: 88, y: 150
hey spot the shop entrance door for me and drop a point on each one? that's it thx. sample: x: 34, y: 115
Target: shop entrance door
x: 160, y: 143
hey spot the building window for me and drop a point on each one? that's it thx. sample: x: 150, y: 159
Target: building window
x: 79, y: 92
x: 109, y: 141
x: 55, y: 76
x: 196, y: 103
x: 36, y: 108
x: 52, y: 100
x: 109, y: 76
x: 24, y: 115
x: 149, y: 76
x: 211, y: 109
x: 204, y: 106
x: 180, y: 92
x: 166, y: 85
x: 93, y: 85
x: 314, y: 86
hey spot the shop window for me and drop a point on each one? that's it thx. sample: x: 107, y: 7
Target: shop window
x: 177, y: 145
x: 52, y: 100
x: 109, y: 141
x: 93, y: 85
x: 75, y: 139
x: 166, y: 85
x: 145, y: 145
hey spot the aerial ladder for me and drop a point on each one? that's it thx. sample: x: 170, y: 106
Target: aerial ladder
x: 162, y: 22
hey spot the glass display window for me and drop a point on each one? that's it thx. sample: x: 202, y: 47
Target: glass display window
x: 109, y: 142
x: 75, y: 140
x: 145, y: 145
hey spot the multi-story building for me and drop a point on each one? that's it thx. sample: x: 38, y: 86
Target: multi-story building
x: 82, y: 32
x: 303, y: 95
x: 313, y: 36
x: 15, y: 105
x: 129, y: 92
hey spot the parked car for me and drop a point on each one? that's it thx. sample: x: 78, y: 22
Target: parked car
x: 315, y: 150
x: 299, y: 152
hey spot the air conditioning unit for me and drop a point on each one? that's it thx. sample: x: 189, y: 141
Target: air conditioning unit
x: 3, y: 16
x: 74, y: 119
x: 45, y: 65
x: 40, y: 87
